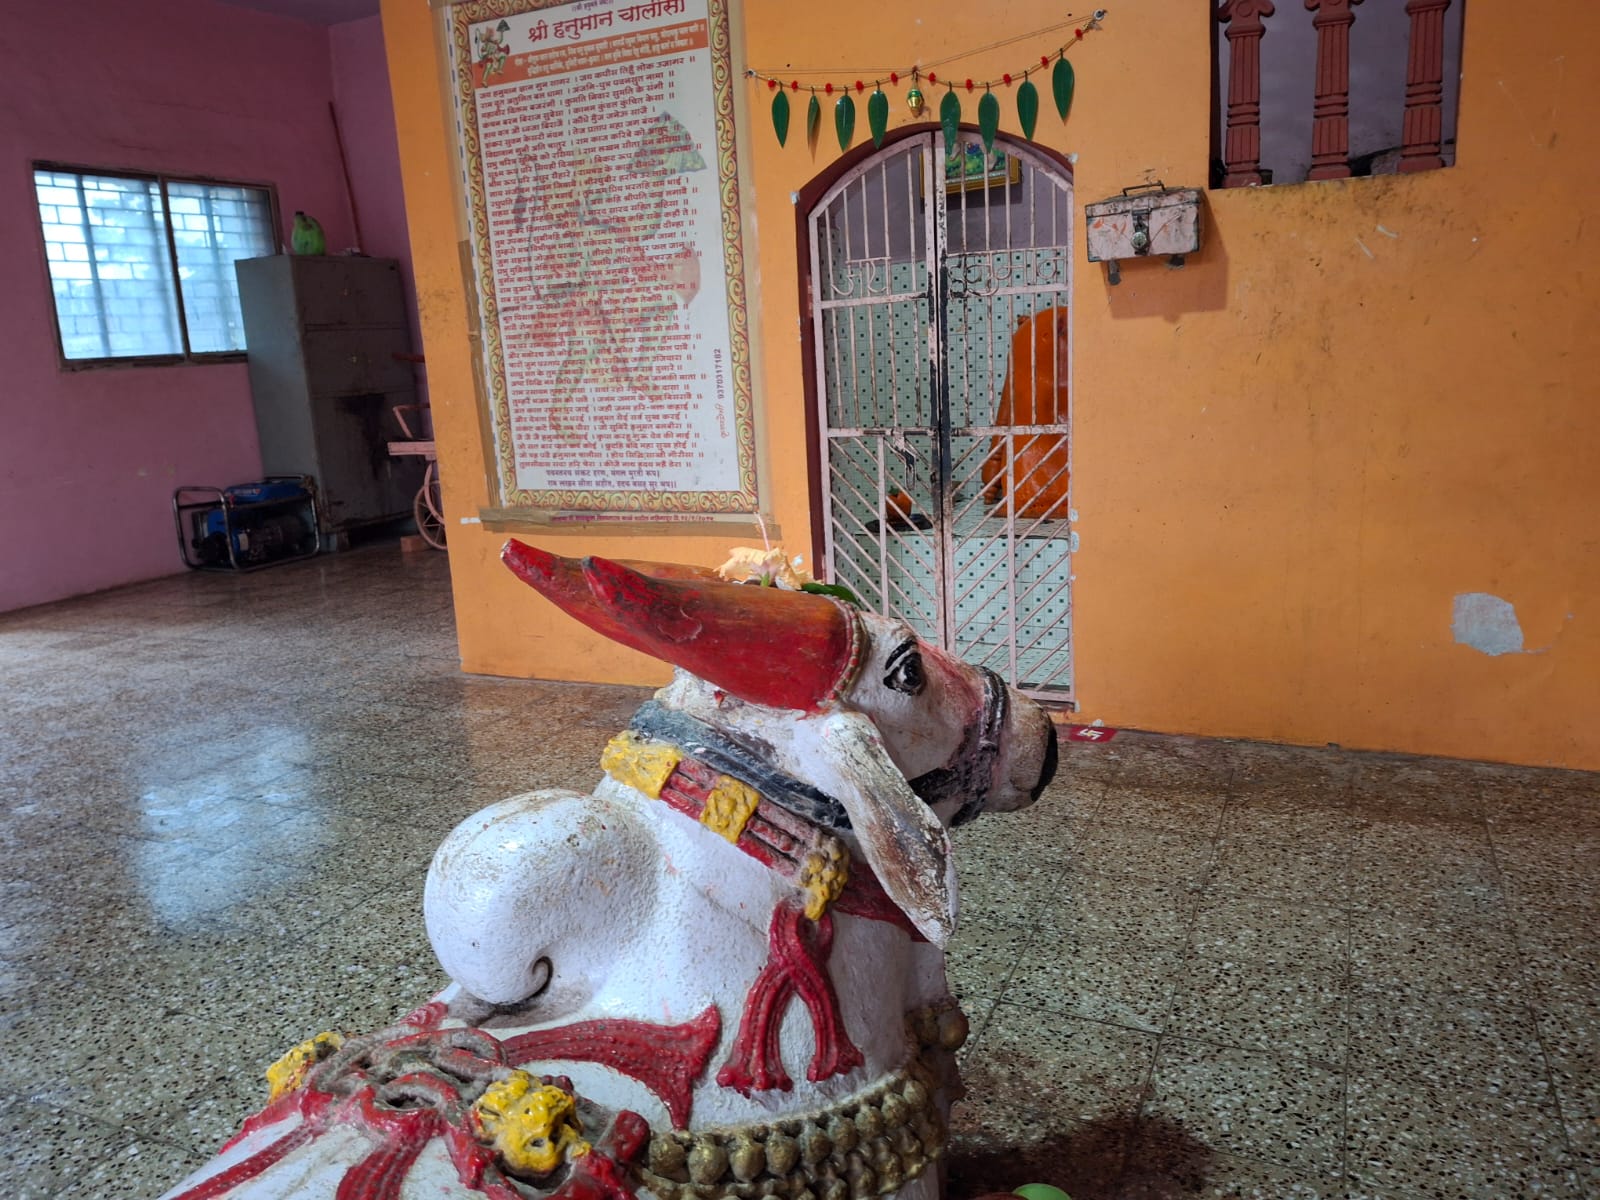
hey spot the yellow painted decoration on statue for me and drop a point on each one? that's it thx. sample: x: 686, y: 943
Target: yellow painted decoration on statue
x: 290, y: 1071
x: 729, y: 807
x: 534, y: 1128
x: 636, y: 762
x: 823, y: 874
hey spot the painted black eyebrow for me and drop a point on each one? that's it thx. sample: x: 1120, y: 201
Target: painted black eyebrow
x: 899, y: 652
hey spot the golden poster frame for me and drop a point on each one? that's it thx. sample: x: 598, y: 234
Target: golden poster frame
x: 609, y: 503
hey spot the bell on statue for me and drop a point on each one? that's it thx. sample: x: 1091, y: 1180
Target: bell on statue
x: 915, y: 101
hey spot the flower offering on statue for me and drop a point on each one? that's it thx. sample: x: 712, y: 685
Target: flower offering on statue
x: 769, y: 566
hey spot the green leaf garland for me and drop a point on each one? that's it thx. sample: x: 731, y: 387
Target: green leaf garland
x: 988, y: 121
x: 878, y: 116
x: 780, y: 116
x: 950, y: 118
x: 1028, y: 108
x: 1062, y: 81
x: 844, y: 120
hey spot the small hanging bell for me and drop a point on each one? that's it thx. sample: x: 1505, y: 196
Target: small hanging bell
x: 915, y: 101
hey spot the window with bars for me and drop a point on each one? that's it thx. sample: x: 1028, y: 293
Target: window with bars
x: 141, y: 266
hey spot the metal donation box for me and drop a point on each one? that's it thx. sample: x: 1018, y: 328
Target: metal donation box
x: 1150, y: 220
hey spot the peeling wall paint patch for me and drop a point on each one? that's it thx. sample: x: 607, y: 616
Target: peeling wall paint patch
x: 1486, y: 623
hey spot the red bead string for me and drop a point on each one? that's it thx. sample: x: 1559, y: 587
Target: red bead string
x: 860, y: 85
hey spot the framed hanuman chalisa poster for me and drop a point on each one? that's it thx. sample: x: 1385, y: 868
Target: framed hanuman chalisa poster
x: 598, y: 153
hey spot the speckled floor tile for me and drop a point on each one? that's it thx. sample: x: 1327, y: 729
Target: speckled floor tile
x: 1261, y: 1006
x: 1091, y: 1070
x: 997, y: 888
x: 1096, y: 761
x: 1473, y: 950
x: 1448, y: 1142
x: 1188, y: 809
x: 1549, y: 905
x: 1445, y: 1037
x: 1521, y: 847
x: 1152, y: 760
x: 1305, y: 874
x: 224, y: 886
x: 1281, y: 822
x: 1406, y: 876
x: 1567, y: 1015
x: 1043, y: 835
x: 53, y: 1153
x: 1429, y: 796
x: 1390, y: 862
x: 1092, y: 906
x: 1278, y: 1110
x: 982, y: 957
x: 1165, y: 1161
x: 993, y: 1147
x: 1310, y: 938
x: 1119, y: 980
x: 1107, y: 848
x: 1300, y: 770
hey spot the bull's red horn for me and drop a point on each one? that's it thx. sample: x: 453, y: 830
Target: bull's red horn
x: 765, y: 645
x: 778, y: 648
x: 561, y: 581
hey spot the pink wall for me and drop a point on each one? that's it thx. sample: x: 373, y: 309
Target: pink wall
x: 90, y: 458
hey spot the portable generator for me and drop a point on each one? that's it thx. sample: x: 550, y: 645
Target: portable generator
x: 247, y: 526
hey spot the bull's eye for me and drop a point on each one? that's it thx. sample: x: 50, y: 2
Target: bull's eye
x: 905, y: 673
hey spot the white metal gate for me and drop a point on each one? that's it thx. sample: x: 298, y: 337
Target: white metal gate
x: 941, y: 360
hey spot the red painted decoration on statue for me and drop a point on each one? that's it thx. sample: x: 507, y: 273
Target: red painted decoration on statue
x: 797, y: 964
x: 248, y: 1168
x: 381, y: 1174
x: 402, y: 1110
x: 667, y: 1059
x: 726, y: 634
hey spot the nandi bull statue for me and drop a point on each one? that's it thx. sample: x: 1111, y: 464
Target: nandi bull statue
x: 720, y: 975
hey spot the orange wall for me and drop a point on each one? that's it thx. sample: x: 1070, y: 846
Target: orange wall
x: 1289, y: 456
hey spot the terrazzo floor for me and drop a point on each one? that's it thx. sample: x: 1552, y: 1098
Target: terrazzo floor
x: 1194, y: 968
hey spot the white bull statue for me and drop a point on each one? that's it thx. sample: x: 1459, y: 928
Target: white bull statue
x: 720, y: 975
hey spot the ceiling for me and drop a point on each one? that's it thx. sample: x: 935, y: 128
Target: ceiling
x: 313, y: 12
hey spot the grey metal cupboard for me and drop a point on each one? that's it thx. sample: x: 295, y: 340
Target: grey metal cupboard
x: 322, y: 334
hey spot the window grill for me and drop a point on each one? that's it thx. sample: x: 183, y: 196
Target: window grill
x: 141, y: 266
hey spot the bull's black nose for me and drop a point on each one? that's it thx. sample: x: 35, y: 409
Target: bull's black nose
x: 1052, y: 756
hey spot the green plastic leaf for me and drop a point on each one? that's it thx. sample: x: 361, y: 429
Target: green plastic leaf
x: 950, y: 118
x: 1028, y: 108
x: 878, y: 116
x: 813, y: 119
x: 988, y: 121
x: 780, y: 116
x: 1062, y: 81
x: 844, y: 120
x: 837, y: 590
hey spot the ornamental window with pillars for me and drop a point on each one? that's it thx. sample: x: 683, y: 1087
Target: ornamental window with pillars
x: 1326, y: 89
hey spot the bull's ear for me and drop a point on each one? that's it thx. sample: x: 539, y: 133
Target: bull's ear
x: 906, y: 846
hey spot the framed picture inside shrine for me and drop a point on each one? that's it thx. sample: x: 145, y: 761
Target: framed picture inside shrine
x: 598, y: 150
x: 970, y: 169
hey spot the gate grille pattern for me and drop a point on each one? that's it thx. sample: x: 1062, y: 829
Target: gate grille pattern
x: 940, y: 333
